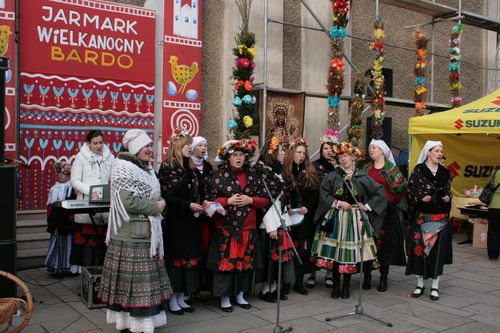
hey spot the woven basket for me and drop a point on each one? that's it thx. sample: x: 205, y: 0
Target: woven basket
x: 9, y: 305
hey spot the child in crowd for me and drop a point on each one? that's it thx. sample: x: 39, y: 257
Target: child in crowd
x: 59, y: 223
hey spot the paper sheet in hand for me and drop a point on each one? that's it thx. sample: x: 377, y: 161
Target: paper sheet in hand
x: 213, y: 208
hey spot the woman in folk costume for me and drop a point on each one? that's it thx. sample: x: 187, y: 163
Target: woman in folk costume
x: 92, y: 166
x: 339, y: 236
x: 390, y: 243
x: 429, y: 237
x: 233, y: 254
x: 270, y: 167
x: 301, y: 196
x: 182, y: 232
x: 60, y: 224
x: 324, y: 165
x: 203, y: 170
x: 134, y: 284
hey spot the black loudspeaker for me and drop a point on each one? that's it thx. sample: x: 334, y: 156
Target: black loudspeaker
x: 8, y: 255
x: 387, y: 73
x: 8, y: 203
x: 387, y: 129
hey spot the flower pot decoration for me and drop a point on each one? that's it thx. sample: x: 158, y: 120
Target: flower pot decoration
x: 377, y: 101
x: 454, y: 67
x: 420, y: 70
x: 244, y: 65
x: 354, y: 131
x: 335, y: 81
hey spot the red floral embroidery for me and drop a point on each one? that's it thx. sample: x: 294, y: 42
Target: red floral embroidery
x: 223, y: 247
x: 417, y: 235
x: 79, y: 240
x: 225, y: 265
x: 351, y: 269
x: 239, y: 265
x: 418, y: 250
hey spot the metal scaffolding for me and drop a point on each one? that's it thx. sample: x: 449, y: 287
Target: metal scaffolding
x: 437, y: 11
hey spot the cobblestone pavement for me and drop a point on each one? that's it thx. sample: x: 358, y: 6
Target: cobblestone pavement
x: 469, y: 302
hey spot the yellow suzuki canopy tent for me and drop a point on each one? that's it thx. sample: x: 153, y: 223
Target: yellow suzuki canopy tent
x: 471, y: 139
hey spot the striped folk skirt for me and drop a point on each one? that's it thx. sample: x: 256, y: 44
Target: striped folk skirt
x: 57, y: 260
x: 134, y: 286
x: 338, y: 240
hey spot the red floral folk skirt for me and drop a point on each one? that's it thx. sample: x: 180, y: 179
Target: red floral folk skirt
x: 228, y: 254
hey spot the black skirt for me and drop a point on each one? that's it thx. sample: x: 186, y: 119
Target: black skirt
x: 390, y: 244
x: 428, y: 266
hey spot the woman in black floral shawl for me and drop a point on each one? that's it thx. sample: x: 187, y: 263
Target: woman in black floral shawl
x: 233, y: 253
x: 429, y: 237
x: 270, y: 167
x: 182, y: 233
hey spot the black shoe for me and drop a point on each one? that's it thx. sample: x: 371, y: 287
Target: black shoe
x: 417, y: 295
x: 345, y: 293
x: 245, y: 306
x: 493, y: 255
x: 300, y: 289
x: 286, y: 289
x: 188, y: 309
x: 336, y: 290
x: 283, y: 297
x: 125, y: 331
x: 228, y: 309
x: 434, y: 298
x: 268, y: 297
x: 177, y: 312
x: 382, y: 286
x: 367, y: 282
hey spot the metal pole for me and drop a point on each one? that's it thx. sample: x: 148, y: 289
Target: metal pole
x: 432, y: 62
x: 376, y: 9
x: 496, y: 51
x: 325, y: 29
x: 264, y: 88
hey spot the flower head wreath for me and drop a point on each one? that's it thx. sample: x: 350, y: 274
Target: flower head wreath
x: 245, y: 145
x: 178, y: 133
x: 329, y: 139
x: 63, y: 167
x: 347, y: 147
x: 275, y: 143
x: 298, y: 141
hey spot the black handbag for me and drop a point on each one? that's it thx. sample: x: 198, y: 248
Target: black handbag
x: 488, y: 191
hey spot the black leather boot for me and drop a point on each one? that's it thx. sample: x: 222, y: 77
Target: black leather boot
x: 367, y: 281
x: 299, y: 281
x: 346, y: 286
x: 384, y: 271
x: 299, y: 287
x: 336, y: 289
x: 382, y: 286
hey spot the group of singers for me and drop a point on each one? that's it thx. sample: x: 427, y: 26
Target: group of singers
x: 192, y: 227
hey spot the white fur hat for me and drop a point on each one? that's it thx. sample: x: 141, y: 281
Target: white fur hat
x: 135, y: 139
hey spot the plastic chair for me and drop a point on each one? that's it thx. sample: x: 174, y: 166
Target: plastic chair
x: 9, y: 306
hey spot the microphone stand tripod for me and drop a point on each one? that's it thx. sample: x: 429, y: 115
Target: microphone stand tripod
x: 365, y: 220
x: 278, y: 328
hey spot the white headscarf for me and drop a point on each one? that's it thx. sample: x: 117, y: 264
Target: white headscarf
x: 428, y: 146
x: 196, y: 141
x: 385, y: 148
